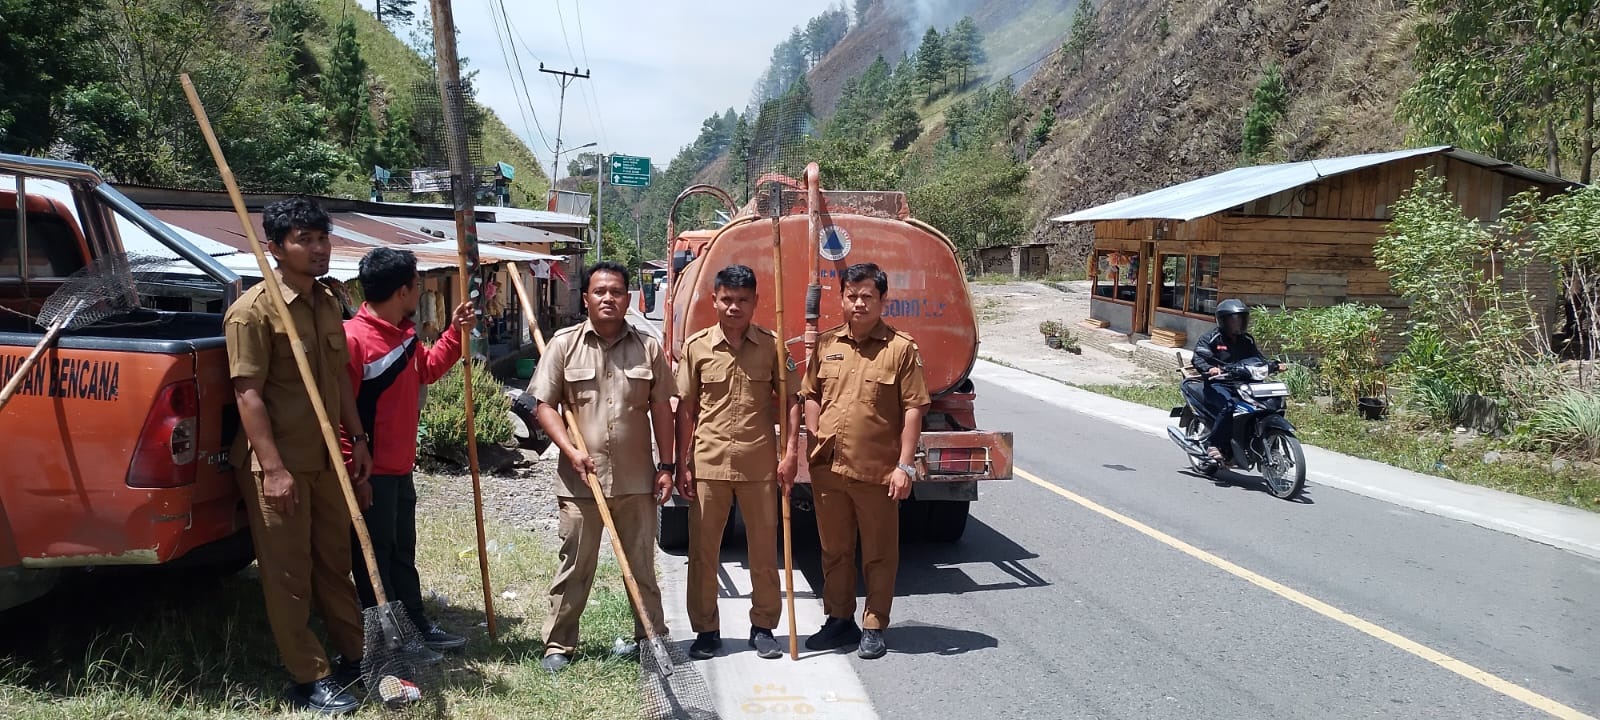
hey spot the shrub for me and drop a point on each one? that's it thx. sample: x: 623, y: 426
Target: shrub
x: 444, y: 417
x: 1052, y: 328
x: 1344, y: 339
x: 1069, y: 341
x: 1568, y: 423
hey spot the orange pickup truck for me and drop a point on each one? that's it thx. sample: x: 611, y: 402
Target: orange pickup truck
x: 115, y: 445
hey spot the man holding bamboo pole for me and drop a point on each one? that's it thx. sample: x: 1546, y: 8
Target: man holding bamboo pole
x: 728, y: 397
x: 299, y: 520
x: 616, y: 382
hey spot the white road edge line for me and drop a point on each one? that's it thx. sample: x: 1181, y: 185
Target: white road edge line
x: 1570, y: 529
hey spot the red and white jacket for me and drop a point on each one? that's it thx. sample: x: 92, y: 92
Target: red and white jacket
x: 388, y: 368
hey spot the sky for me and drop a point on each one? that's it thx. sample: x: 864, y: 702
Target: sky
x: 657, y: 67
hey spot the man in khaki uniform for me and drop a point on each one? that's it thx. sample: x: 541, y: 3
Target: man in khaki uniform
x: 864, y: 400
x: 727, y: 451
x: 299, y: 520
x: 616, y: 381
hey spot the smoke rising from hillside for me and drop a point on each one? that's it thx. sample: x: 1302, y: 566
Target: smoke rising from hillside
x: 941, y: 14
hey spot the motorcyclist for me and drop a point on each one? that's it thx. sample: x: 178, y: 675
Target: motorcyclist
x: 1230, y: 342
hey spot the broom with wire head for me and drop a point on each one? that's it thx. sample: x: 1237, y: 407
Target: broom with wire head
x: 395, y: 663
x: 106, y: 287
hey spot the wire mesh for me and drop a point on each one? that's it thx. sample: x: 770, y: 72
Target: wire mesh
x: 673, y: 689
x: 778, y: 148
x: 106, y: 287
x: 434, y: 134
x: 399, y: 670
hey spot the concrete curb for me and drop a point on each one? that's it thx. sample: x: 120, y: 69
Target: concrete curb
x: 1570, y: 529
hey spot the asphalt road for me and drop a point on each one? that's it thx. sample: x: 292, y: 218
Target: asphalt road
x: 1048, y: 609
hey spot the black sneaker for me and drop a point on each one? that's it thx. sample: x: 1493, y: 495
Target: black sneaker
x: 835, y: 633
x: 555, y: 662
x: 706, y: 645
x: 324, y: 696
x: 766, y: 646
x: 872, y: 646
x: 438, y: 639
x: 346, y: 672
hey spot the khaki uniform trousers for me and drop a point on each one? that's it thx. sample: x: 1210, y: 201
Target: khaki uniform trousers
x: 581, y: 529
x: 846, y: 507
x: 304, y: 559
x: 708, y: 516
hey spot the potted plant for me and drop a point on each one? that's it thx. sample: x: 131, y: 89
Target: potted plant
x: 1052, y: 330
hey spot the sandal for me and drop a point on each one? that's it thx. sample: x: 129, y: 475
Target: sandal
x: 1215, y: 454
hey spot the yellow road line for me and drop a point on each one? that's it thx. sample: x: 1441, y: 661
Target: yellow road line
x: 1486, y: 679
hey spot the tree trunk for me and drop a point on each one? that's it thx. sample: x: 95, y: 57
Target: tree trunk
x: 1588, y: 133
x: 1552, y: 145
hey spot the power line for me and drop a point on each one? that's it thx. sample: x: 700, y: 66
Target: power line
x: 561, y: 19
x: 511, y: 31
x: 593, y: 91
x: 512, y: 76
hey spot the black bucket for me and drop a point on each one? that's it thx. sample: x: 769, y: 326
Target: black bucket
x: 1372, y: 408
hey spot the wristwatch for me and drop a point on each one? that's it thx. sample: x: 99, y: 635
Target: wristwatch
x: 361, y: 438
x: 910, y: 470
x: 667, y: 467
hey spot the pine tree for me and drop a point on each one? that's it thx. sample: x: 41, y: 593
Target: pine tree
x: 344, y: 85
x: 1085, y: 32
x: 931, y: 59
x: 286, y: 46
x: 395, y: 13
x: 964, y: 48
x: 862, y: 6
x: 1267, y: 106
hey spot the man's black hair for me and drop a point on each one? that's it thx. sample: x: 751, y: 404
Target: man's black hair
x: 285, y: 215
x: 738, y: 277
x: 606, y: 266
x: 861, y: 272
x: 385, y: 270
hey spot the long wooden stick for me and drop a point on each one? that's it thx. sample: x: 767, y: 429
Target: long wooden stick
x: 462, y: 184
x: 33, y: 357
x: 783, y: 432
x: 281, y: 309
x: 573, y: 432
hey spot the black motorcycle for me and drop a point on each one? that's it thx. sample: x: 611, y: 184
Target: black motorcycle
x: 1263, y: 438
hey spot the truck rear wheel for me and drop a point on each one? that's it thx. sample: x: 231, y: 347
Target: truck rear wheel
x: 939, y: 521
x: 947, y: 520
x: 672, y: 531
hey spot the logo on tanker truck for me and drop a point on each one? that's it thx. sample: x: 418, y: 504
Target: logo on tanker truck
x: 833, y: 243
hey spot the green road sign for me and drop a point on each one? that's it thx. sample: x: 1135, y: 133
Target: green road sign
x: 630, y: 171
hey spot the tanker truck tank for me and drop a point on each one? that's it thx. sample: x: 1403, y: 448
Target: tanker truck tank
x: 928, y: 299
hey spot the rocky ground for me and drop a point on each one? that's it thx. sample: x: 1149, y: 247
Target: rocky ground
x: 523, y: 495
x: 1008, y: 318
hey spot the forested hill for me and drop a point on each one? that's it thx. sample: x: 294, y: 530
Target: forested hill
x: 1063, y: 105
x: 305, y: 95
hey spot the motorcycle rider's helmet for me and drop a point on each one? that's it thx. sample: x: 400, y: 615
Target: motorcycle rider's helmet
x: 1233, y: 317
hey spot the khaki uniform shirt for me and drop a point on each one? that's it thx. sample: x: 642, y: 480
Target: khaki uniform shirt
x: 258, y: 347
x: 737, y: 396
x: 864, y: 389
x: 609, y: 387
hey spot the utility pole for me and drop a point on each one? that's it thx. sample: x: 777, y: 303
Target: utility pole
x: 564, y: 78
x: 599, y: 206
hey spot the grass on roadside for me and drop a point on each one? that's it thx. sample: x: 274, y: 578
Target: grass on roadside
x: 147, y: 648
x: 1397, y: 441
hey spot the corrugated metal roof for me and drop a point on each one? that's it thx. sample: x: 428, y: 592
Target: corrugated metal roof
x: 516, y: 215
x: 1216, y: 193
x: 488, y: 252
x: 488, y: 232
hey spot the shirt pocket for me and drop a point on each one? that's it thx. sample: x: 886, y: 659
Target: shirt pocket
x: 640, y: 380
x: 338, y: 350
x: 581, y: 386
x: 878, y: 387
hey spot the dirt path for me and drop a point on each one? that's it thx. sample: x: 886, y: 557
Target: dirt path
x: 1008, y: 318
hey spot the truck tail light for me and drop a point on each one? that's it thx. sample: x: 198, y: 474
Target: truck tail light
x: 165, y: 455
x: 954, y: 461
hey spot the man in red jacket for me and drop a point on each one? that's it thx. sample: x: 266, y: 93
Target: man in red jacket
x: 388, y: 369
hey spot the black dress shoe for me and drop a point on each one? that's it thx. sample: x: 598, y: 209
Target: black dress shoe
x: 706, y: 645
x: 437, y: 639
x: 324, y: 696
x: 872, y: 646
x: 765, y: 644
x: 835, y: 633
x: 555, y: 662
x: 346, y: 672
